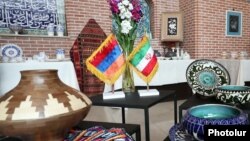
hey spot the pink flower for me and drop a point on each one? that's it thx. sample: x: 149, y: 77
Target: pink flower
x: 125, y: 16
x: 136, y: 12
x: 114, y: 6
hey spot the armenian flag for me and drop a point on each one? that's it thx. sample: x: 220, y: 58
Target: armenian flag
x: 107, y: 62
x: 143, y: 60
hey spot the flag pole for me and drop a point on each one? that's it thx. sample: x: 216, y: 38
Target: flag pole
x: 147, y: 87
x: 113, y: 88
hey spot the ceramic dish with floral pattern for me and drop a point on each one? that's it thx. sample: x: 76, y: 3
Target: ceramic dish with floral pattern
x: 203, y: 76
x: 11, y: 51
x: 233, y: 94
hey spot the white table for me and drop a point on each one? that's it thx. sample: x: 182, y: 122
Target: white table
x: 244, y: 72
x: 174, y: 71
x: 233, y: 68
x: 238, y: 70
x: 169, y: 72
x: 10, y: 73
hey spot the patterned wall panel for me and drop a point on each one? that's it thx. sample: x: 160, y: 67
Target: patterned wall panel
x: 32, y: 15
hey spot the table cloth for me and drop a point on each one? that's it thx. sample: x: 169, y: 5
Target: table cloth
x: 174, y: 71
x: 233, y: 68
x: 169, y: 72
x: 244, y: 74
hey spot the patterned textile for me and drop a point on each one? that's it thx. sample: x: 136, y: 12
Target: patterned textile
x: 89, y: 39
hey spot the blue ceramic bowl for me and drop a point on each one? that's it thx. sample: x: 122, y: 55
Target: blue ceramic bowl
x: 211, y: 114
x: 233, y: 94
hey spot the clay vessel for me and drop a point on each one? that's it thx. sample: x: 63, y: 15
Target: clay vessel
x: 41, y: 107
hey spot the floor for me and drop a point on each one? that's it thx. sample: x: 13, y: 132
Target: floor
x: 161, y: 118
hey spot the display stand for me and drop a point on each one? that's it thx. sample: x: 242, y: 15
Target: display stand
x: 113, y: 94
x: 148, y: 92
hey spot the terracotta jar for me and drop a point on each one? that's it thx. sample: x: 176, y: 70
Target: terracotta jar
x: 41, y: 107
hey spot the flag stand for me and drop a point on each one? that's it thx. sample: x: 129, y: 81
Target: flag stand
x: 148, y: 92
x: 113, y: 94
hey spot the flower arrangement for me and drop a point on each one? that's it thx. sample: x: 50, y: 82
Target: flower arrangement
x: 126, y: 14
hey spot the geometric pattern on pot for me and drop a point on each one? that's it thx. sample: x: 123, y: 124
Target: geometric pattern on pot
x: 233, y: 95
x: 204, y: 75
x: 41, y: 107
x: 52, y: 108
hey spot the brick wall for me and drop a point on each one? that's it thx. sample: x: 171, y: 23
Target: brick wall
x: 78, y: 12
x: 189, y: 11
x: 204, y: 34
x: 204, y: 28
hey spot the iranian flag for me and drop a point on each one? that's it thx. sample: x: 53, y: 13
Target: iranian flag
x: 143, y: 60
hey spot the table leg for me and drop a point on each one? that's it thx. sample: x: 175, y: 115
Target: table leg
x: 175, y: 109
x: 147, y: 134
x: 138, y: 135
x: 123, y: 115
x: 180, y: 114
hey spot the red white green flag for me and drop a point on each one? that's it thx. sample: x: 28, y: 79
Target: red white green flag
x: 143, y: 60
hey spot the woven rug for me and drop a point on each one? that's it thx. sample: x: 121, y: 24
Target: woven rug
x: 89, y: 39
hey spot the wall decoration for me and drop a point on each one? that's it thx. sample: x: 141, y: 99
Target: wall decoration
x: 144, y: 23
x: 32, y: 15
x: 172, y: 26
x: 233, y: 23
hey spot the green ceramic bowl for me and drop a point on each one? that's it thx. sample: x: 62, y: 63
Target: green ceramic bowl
x: 211, y: 114
x: 233, y: 94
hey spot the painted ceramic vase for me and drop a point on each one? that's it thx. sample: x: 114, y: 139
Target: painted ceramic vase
x: 41, y: 107
x: 157, y: 53
x: 60, y: 30
x: 211, y: 114
x: 15, y: 28
x: 60, y: 54
x: 233, y: 94
x: 51, y: 29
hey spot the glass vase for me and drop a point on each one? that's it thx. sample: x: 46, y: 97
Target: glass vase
x: 128, y: 85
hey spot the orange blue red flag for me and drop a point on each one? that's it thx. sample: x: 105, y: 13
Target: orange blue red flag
x: 107, y: 62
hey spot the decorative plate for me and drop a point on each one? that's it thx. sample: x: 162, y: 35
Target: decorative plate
x: 233, y: 94
x: 203, y: 76
x: 11, y: 51
x: 176, y: 133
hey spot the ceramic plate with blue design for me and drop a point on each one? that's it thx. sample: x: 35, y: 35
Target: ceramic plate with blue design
x: 11, y: 51
x: 177, y: 134
x: 203, y: 76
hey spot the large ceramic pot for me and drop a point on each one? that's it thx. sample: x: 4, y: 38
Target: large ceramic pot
x: 233, y: 95
x: 211, y: 114
x: 41, y: 107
